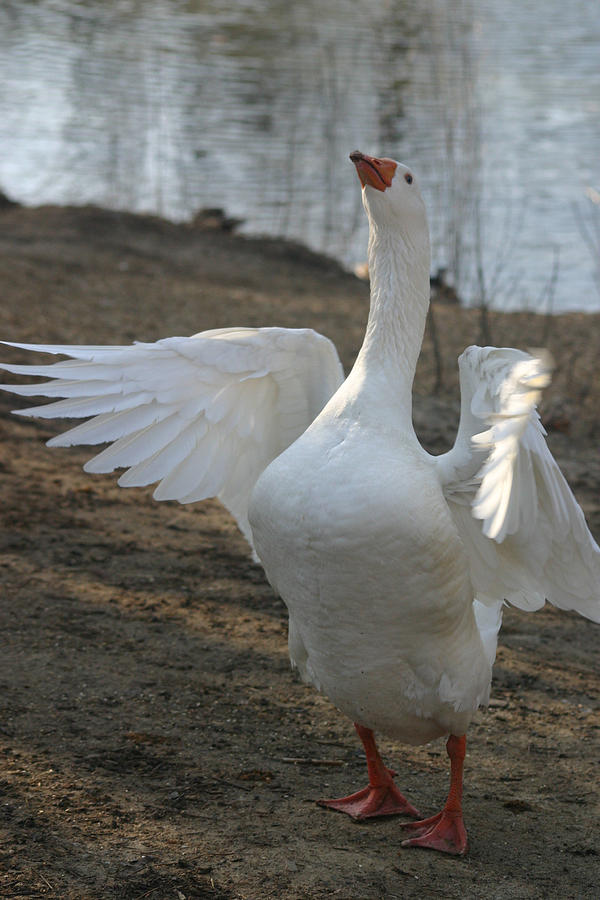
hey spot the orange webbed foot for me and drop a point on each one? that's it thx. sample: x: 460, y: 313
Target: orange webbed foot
x: 372, y: 801
x: 444, y: 832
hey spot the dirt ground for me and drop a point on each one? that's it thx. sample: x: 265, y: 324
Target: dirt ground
x: 153, y: 741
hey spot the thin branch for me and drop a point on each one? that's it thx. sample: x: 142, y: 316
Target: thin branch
x: 437, y: 352
x: 551, y: 291
x: 586, y: 229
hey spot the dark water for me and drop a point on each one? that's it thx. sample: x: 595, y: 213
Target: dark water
x: 170, y: 106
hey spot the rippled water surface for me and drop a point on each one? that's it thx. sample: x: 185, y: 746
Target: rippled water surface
x: 170, y: 106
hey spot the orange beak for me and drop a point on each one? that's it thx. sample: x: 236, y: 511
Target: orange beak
x: 377, y: 173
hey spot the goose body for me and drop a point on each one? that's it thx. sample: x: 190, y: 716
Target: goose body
x: 353, y: 530
x: 394, y: 564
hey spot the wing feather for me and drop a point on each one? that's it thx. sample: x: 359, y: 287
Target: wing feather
x: 110, y: 426
x: 526, y: 535
x: 201, y: 415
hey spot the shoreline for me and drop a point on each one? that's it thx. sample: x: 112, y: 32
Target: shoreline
x: 147, y: 277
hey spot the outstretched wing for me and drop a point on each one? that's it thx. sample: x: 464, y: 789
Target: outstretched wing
x: 526, y: 536
x: 201, y: 415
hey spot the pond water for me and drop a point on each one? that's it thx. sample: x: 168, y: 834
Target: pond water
x: 169, y: 106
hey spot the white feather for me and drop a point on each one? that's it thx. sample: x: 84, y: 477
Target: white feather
x: 202, y: 415
x: 531, y: 542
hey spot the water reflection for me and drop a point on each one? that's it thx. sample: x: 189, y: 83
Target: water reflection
x: 253, y: 105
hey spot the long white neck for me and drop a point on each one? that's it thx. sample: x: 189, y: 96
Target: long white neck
x: 399, y: 274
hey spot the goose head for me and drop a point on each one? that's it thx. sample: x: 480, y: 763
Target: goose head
x: 391, y: 197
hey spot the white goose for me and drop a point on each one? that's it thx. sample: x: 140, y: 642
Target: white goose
x: 394, y: 564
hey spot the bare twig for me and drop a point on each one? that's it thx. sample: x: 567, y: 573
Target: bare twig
x: 43, y: 877
x: 550, y: 292
x: 301, y: 761
x: 437, y: 352
x: 147, y: 894
x: 241, y: 787
x: 589, y: 229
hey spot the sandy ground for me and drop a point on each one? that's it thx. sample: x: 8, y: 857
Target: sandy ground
x: 153, y: 741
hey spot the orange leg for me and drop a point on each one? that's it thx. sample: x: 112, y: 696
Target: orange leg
x: 446, y: 831
x: 381, y: 797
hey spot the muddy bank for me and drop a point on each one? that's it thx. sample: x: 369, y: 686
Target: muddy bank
x: 149, y: 720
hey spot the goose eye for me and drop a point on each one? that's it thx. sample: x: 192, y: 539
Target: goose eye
x: 408, y: 178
